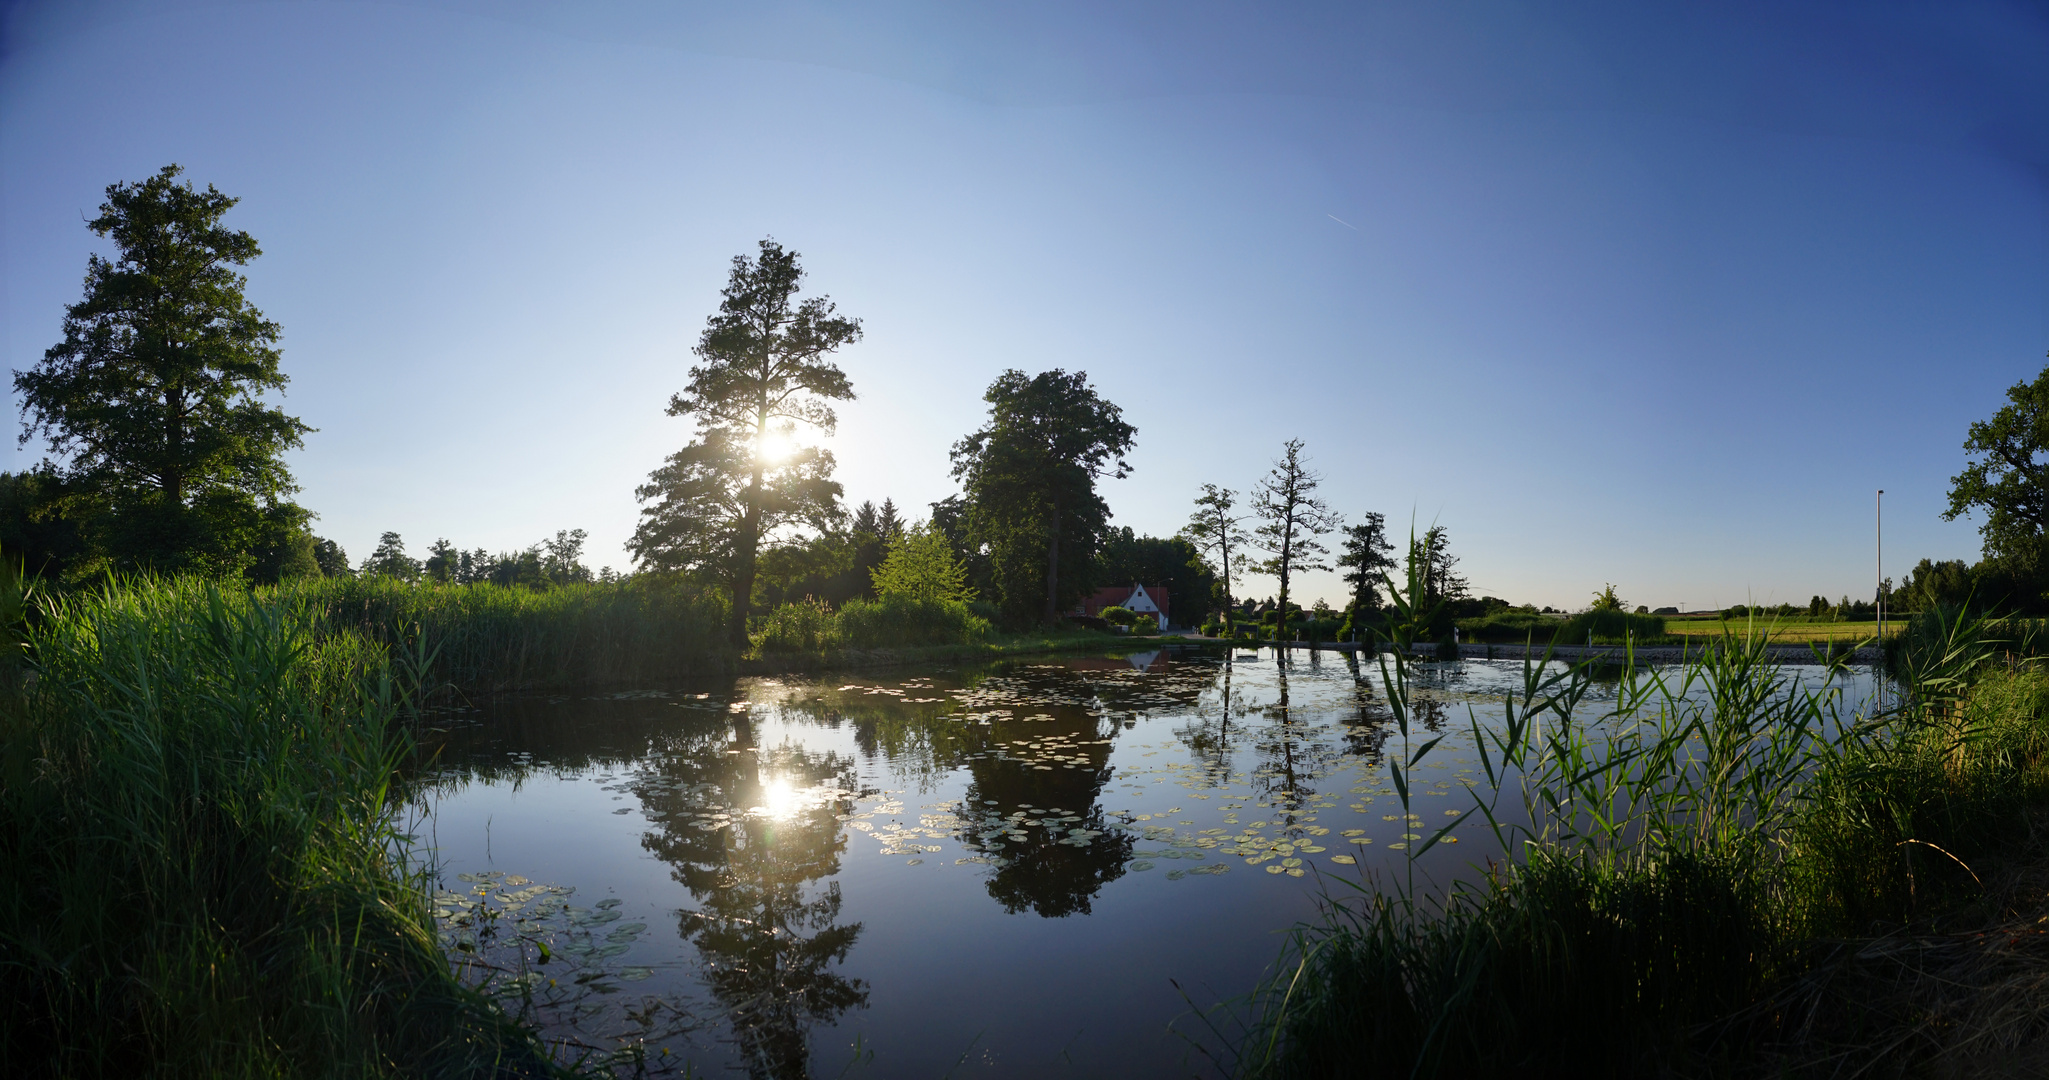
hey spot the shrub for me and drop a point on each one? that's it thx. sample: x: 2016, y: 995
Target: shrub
x: 921, y: 566
x: 806, y: 625
x: 1145, y: 624
x: 898, y: 620
x: 1609, y: 628
x: 1117, y: 615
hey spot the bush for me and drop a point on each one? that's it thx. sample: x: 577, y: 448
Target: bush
x: 900, y: 620
x: 1117, y: 615
x: 1145, y: 624
x: 804, y: 626
x: 1610, y: 628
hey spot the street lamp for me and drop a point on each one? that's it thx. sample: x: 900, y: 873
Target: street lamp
x: 1881, y: 567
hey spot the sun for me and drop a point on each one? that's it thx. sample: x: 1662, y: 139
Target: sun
x: 775, y: 447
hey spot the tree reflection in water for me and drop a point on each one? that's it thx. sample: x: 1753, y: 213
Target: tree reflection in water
x: 770, y: 944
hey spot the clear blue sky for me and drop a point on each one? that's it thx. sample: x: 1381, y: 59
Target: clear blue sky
x: 1656, y: 297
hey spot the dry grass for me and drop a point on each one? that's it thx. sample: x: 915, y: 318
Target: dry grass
x: 1963, y: 993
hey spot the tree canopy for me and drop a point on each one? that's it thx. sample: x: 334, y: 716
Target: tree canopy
x: 921, y: 566
x: 1172, y: 562
x: 1029, y: 483
x: 2009, y: 483
x: 154, y: 401
x: 764, y: 373
x: 1366, y: 557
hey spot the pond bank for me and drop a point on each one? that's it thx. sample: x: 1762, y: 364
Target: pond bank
x: 1572, y: 654
x: 1019, y: 645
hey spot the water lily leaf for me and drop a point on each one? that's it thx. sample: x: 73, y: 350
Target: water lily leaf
x: 1140, y: 865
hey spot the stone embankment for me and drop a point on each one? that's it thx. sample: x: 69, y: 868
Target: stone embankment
x: 1614, y: 654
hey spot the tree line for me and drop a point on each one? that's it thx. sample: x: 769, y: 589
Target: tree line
x: 167, y: 457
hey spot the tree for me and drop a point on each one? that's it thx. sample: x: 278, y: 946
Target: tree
x: 1029, y: 477
x: 331, y: 559
x: 1432, y: 551
x: 1216, y: 532
x: 1171, y: 562
x: 921, y: 566
x: 2008, y: 484
x: 764, y: 374
x: 1606, y: 600
x: 154, y: 397
x: 562, y: 558
x: 390, y: 560
x: 444, y: 562
x: 1291, y: 518
x: 1366, y: 557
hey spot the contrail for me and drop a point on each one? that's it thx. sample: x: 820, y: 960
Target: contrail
x: 1343, y: 222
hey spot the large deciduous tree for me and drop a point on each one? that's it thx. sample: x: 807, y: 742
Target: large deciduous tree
x: 764, y: 373
x: 1029, y: 477
x: 1291, y: 518
x: 1216, y: 530
x: 2009, y: 482
x: 154, y: 400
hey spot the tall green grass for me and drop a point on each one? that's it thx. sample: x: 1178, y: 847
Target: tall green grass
x: 200, y: 869
x: 489, y: 638
x: 1669, y: 858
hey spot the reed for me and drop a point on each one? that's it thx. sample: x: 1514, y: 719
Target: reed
x: 491, y: 638
x: 200, y: 872
x: 1675, y: 860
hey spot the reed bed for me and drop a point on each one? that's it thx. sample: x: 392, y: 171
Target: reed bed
x: 1708, y: 874
x: 200, y: 870
x: 489, y: 638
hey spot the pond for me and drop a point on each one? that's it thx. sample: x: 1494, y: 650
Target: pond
x: 1025, y: 869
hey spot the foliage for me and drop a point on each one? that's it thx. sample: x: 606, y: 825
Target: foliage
x: 764, y: 372
x: 1366, y: 557
x: 1291, y: 518
x: 921, y: 566
x: 1608, y: 626
x: 897, y: 621
x: 807, y: 626
x: 1606, y: 600
x: 34, y: 528
x: 1677, y: 864
x: 2007, y: 483
x: 389, y: 559
x: 203, y: 871
x: 330, y: 558
x: 1215, y: 530
x: 1172, y: 563
x: 1117, y: 615
x: 1145, y: 624
x: 491, y: 638
x: 1029, y: 481
x: 172, y: 460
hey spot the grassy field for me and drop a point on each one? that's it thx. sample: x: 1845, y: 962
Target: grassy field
x: 1787, y: 631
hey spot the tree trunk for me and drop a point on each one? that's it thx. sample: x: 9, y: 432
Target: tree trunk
x: 1281, y: 616
x: 1053, y: 571
x: 743, y: 559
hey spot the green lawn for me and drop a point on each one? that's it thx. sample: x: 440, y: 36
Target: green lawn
x: 1788, y: 629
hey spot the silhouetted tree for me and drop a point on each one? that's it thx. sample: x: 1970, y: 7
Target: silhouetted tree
x: 1291, y: 518
x: 1366, y: 557
x: 764, y: 373
x: 154, y: 399
x: 1216, y: 531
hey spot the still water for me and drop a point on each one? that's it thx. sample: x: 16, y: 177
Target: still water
x: 1028, y: 869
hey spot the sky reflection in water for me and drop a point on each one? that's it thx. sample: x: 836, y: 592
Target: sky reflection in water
x: 1000, y: 867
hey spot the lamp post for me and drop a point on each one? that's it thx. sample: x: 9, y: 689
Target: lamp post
x: 1880, y: 520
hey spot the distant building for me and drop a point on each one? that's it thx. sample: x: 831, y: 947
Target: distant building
x: 1143, y: 599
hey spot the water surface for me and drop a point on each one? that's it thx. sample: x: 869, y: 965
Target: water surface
x: 1025, y: 869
